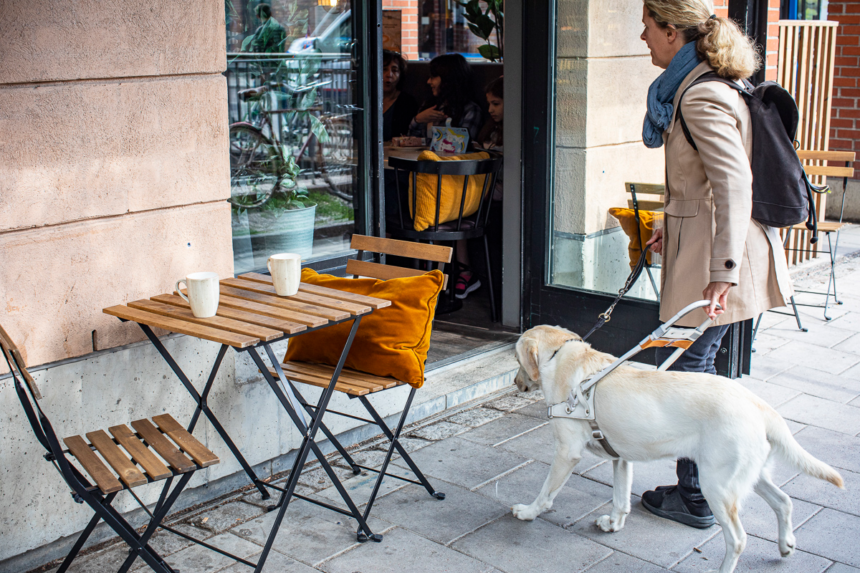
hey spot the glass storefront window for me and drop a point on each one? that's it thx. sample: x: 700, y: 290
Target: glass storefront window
x: 292, y: 110
x: 444, y: 29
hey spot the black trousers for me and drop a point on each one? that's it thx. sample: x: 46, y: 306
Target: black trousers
x: 698, y: 358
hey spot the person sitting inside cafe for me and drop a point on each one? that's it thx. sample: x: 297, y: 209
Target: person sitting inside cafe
x: 398, y: 108
x: 451, y: 84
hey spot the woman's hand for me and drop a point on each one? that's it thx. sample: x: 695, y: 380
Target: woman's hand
x: 656, y: 242
x: 431, y: 115
x: 716, y: 293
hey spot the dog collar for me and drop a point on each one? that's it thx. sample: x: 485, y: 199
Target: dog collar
x: 560, y: 347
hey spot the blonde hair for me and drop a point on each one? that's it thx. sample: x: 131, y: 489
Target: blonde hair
x: 718, y: 40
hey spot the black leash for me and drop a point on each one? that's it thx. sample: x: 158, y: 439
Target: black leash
x: 607, y: 314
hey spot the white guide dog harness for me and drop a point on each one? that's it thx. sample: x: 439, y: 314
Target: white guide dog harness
x: 580, y: 403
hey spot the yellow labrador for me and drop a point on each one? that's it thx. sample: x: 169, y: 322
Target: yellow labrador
x: 647, y: 415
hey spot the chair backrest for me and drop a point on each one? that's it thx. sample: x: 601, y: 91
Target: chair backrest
x: 421, y: 251
x: 637, y: 189
x: 814, y: 165
x: 466, y: 168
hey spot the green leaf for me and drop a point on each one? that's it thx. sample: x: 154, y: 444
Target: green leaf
x: 477, y: 31
x: 489, y: 52
x: 245, y: 43
x: 318, y: 129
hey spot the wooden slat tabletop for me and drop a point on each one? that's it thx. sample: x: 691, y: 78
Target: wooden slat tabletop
x: 249, y: 311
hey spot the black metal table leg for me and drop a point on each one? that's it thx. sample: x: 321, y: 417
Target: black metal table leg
x: 203, y: 406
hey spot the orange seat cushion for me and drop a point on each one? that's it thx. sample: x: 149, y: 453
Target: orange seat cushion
x: 392, y: 341
x: 452, y: 192
x: 627, y: 218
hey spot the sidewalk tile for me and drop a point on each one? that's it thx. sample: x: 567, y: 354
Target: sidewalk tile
x: 438, y: 431
x: 647, y: 536
x: 536, y: 410
x: 502, y: 429
x: 402, y: 551
x: 759, y: 519
x: 826, y: 494
x: 409, y: 444
x: 851, y: 345
x: 822, y: 413
x: 361, y: 486
x: 848, y: 321
x: 834, y: 448
x: 619, y: 562
x: 771, y: 393
x: 317, y: 478
x: 853, y: 372
x: 224, y: 517
x: 197, y: 559
x: 508, y: 403
x: 513, y: 546
x: 770, y: 319
x: 646, y: 475
x: 166, y: 543
x: 540, y: 445
x: 275, y: 563
x: 441, y: 521
x: 765, y: 367
x: 825, y: 335
x: 577, y: 498
x: 368, y: 458
x: 833, y: 535
x: 254, y: 497
x: 833, y: 387
x: 842, y: 568
x: 308, y: 532
x: 106, y: 560
x: 817, y: 357
x: 759, y: 555
x: 476, y: 417
x: 464, y: 463
x: 766, y: 340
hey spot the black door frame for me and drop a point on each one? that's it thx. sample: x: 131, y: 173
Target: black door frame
x: 541, y: 302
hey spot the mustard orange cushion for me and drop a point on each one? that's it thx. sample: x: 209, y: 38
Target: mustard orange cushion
x: 627, y: 218
x: 392, y: 341
x: 452, y: 191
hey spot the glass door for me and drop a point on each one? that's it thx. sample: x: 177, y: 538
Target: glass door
x: 297, y: 110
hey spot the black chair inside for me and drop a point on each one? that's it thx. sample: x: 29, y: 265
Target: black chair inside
x: 472, y: 226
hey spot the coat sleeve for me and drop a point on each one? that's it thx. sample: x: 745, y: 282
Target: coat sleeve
x: 709, y: 112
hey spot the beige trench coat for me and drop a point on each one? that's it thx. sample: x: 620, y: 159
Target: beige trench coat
x: 708, y: 233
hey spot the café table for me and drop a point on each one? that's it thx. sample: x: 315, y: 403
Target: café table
x: 250, y: 318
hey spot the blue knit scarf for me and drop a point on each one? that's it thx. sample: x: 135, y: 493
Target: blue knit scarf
x: 662, y: 93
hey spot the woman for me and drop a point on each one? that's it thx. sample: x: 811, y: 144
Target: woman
x: 398, y: 108
x: 451, y: 83
x: 711, y: 247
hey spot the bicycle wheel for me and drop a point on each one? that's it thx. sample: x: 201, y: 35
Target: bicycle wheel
x: 338, y: 167
x: 253, y: 172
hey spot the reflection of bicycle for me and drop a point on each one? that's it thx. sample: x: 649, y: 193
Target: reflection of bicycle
x: 261, y: 164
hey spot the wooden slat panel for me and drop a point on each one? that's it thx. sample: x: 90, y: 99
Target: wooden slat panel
x: 300, y: 297
x: 829, y: 171
x: 823, y: 227
x: 799, y: 23
x: 241, y: 315
x: 290, y: 372
x: 128, y: 472
x: 826, y: 155
x: 141, y: 454
x: 346, y: 373
x: 91, y: 463
x: 372, y: 302
x: 165, y: 448
x: 383, y: 272
x: 218, y: 322
x: 323, y: 383
x: 408, y: 249
x: 647, y: 205
x: 267, y: 310
x: 8, y: 346
x: 647, y: 188
x: 274, y: 300
x: 189, y: 444
x: 182, y: 327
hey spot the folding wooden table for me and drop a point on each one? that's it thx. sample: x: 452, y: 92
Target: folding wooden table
x: 250, y: 317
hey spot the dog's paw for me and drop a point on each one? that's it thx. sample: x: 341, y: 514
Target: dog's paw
x: 787, y: 545
x: 604, y: 522
x: 524, y: 512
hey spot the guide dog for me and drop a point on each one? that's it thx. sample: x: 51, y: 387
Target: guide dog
x: 645, y: 415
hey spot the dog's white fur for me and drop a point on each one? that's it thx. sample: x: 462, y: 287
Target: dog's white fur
x: 646, y: 415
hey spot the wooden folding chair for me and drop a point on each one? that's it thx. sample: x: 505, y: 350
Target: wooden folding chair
x: 149, y: 453
x: 360, y: 385
x: 637, y: 204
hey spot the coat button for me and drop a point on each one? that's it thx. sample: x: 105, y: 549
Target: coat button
x: 730, y: 264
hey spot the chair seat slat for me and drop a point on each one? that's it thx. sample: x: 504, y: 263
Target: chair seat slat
x: 346, y: 374
x: 141, y: 454
x: 189, y: 444
x: 103, y: 477
x: 321, y: 382
x: 128, y: 472
x: 165, y: 448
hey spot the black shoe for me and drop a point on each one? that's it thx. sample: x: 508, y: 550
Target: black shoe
x: 666, y: 501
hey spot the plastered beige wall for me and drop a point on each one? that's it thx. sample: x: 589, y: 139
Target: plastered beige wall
x: 114, y: 163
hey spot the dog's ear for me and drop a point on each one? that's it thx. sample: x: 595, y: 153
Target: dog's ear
x: 529, y: 359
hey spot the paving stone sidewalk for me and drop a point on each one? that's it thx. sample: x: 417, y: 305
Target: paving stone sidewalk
x: 494, y: 454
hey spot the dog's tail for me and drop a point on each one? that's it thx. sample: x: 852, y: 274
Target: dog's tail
x: 793, y: 453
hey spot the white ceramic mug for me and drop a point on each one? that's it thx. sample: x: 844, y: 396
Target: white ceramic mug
x: 203, y: 290
x: 286, y: 271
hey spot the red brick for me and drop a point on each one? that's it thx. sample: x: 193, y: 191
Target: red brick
x: 842, y: 123
x: 848, y: 133
x: 852, y: 113
x: 849, y: 92
x: 854, y: 7
x: 845, y: 20
x: 843, y: 102
x: 844, y: 82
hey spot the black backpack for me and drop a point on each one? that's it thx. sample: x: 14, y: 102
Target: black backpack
x: 782, y: 193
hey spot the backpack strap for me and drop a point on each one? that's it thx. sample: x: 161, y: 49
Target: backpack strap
x: 708, y: 77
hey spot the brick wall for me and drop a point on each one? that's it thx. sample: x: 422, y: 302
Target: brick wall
x: 409, y: 25
x: 845, y: 115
